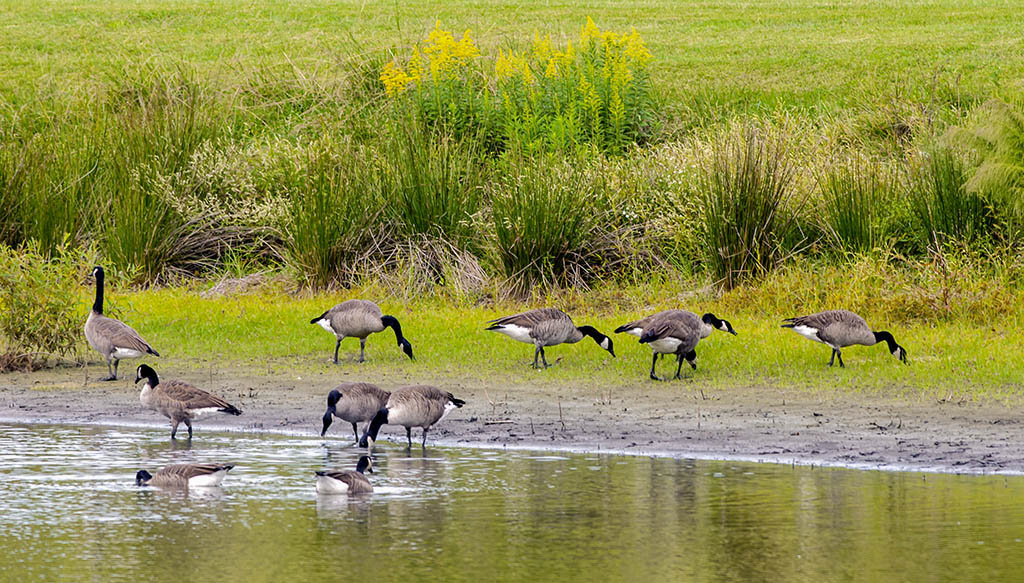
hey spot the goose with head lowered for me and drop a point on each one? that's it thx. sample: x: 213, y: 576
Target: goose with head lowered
x: 112, y: 338
x: 838, y: 329
x: 675, y: 332
x: 416, y: 406
x: 184, y: 476
x: 346, y: 481
x: 178, y: 401
x: 355, y: 403
x: 359, y: 319
x: 547, y: 327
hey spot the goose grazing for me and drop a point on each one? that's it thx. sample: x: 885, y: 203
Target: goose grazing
x: 547, y: 327
x: 178, y: 401
x: 839, y: 329
x: 346, y: 481
x: 112, y: 338
x: 675, y: 332
x: 355, y: 403
x: 359, y: 319
x: 184, y: 476
x: 418, y: 406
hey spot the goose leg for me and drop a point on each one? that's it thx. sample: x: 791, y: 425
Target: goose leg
x: 337, y: 345
x: 833, y: 359
x: 654, y: 361
x: 111, y: 375
x: 174, y: 428
x: 408, y: 435
x: 188, y: 424
x: 362, y: 349
x: 679, y: 366
x: 542, y: 359
x: 536, y: 354
x: 356, y: 431
x: 840, y: 355
x: 424, y: 444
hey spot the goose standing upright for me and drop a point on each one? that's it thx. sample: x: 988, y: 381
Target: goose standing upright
x: 547, y: 327
x: 675, y: 332
x: 416, y: 406
x: 178, y: 401
x: 841, y: 328
x: 355, y: 403
x: 184, y: 476
x: 346, y: 481
x: 112, y: 338
x: 359, y: 319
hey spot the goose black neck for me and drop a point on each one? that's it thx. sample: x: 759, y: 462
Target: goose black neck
x: 97, y: 306
x: 364, y: 462
x: 592, y: 332
x: 142, y: 477
x: 378, y: 420
x: 392, y: 322
x: 887, y: 337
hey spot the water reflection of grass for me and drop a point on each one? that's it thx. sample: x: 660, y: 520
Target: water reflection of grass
x: 269, y: 332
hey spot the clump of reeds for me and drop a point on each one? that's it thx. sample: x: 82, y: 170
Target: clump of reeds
x: 745, y: 188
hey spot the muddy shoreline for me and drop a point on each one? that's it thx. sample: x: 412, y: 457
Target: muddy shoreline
x: 681, y: 419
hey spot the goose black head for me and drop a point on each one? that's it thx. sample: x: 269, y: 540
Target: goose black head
x: 602, y: 340
x: 146, y: 372
x: 332, y: 400
x: 364, y: 465
x: 370, y: 435
x: 718, y: 323
x: 96, y: 272
x: 691, y: 359
x: 406, y: 348
x: 896, y: 350
x: 142, y: 477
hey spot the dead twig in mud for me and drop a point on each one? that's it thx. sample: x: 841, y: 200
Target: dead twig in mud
x: 532, y: 432
x: 893, y: 424
x: 698, y: 417
x: 499, y: 422
x: 494, y: 404
x: 560, y: 419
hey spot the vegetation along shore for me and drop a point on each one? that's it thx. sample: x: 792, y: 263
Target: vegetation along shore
x: 457, y: 166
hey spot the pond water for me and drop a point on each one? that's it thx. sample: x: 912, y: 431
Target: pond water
x: 71, y: 512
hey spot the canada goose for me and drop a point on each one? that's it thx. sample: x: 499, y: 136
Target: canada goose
x: 359, y: 319
x: 177, y: 400
x: 839, y: 329
x: 346, y: 481
x: 675, y: 332
x: 547, y: 327
x: 355, y: 403
x: 112, y: 338
x: 184, y: 476
x: 418, y: 406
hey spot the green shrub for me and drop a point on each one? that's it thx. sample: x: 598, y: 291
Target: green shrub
x: 40, y: 315
x: 942, y: 203
x: 550, y: 223
x: 595, y: 93
x: 1000, y: 174
x: 857, y: 197
x: 745, y: 187
x: 334, y: 219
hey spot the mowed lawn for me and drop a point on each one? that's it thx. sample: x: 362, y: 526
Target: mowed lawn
x: 713, y: 60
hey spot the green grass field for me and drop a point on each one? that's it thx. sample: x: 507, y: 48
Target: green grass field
x: 847, y: 59
x: 269, y: 333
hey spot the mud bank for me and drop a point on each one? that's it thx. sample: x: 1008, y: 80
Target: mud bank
x: 681, y: 419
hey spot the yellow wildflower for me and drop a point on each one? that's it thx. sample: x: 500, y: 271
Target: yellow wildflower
x: 636, y: 50
x: 588, y: 33
x: 394, y: 79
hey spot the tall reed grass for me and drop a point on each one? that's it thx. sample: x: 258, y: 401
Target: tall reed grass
x: 749, y: 206
x: 942, y: 203
x: 857, y: 196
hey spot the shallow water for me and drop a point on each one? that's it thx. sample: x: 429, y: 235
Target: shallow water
x: 71, y: 511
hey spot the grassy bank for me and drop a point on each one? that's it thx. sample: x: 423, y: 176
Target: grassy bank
x: 266, y: 331
x: 778, y: 156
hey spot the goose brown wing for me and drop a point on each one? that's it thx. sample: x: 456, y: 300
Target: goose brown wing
x: 532, y: 318
x: 355, y: 481
x: 188, y: 471
x: 121, y: 335
x: 192, y: 397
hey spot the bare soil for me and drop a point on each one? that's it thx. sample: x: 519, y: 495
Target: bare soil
x: 683, y: 419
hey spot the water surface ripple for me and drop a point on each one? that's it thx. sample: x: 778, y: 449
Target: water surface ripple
x: 71, y: 512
